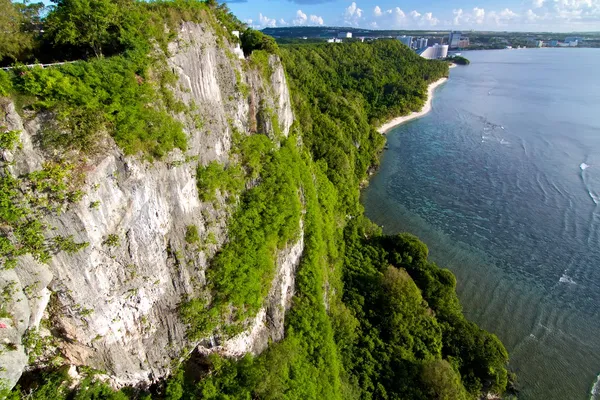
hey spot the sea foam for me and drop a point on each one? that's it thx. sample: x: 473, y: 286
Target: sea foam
x: 594, y: 197
x: 567, y: 279
x: 595, y: 394
x: 584, y: 166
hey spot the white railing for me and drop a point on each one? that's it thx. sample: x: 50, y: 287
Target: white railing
x: 41, y: 65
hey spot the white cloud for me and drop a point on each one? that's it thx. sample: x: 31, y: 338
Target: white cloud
x: 396, y: 18
x: 429, y: 20
x: 532, y: 15
x: 316, y: 20
x: 353, y: 14
x: 398, y: 14
x: 458, y: 16
x: 478, y: 15
x: 503, y: 17
x: 301, y: 18
x: 353, y: 10
x: 420, y: 20
x: 267, y: 22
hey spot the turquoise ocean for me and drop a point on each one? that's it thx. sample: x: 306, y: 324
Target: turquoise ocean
x: 502, y: 181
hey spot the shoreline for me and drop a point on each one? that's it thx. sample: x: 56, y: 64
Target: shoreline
x: 383, y: 129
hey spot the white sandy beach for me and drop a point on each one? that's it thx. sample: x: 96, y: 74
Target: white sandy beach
x: 400, y: 120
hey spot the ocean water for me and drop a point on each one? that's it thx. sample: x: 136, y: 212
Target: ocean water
x: 502, y: 181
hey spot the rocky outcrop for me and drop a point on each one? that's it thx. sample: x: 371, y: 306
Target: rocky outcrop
x: 113, y: 305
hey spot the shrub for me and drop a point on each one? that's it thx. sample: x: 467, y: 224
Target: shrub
x: 191, y: 234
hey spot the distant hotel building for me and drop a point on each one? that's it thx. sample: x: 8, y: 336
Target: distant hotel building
x: 434, y: 52
x: 345, y: 35
x: 454, y: 39
x: 421, y: 43
x: 406, y: 40
x: 571, y: 39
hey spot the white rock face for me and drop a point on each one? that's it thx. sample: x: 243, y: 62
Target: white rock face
x: 283, y: 105
x: 114, y: 308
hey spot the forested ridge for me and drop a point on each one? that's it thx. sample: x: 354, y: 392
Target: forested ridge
x: 372, y: 317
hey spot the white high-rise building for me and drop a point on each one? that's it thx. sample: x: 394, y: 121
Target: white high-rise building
x: 407, y: 40
x: 434, y: 52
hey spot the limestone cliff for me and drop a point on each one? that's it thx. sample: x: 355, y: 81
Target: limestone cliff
x: 113, y: 305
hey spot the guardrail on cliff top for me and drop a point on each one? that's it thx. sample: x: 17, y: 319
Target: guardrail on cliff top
x: 40, y: 65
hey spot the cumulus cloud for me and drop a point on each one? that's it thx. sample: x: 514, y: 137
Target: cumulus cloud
x: 503, y: 17
x: 316, y: 20
x: 458, y: 16
x: 478, y: 15
x: 353, y: 10
x: 353, y: 14
x: 303, y: 19
x: 531, y: 16
x: 266, y: 22
x: 548, y: 15
x: 429, y: 20
x: 396, y: 18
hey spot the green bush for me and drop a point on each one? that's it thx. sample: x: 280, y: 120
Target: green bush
x: 215, y: 177
x: 112, y: 240
x: 191, y: 234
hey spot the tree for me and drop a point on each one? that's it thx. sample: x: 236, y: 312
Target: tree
x: 256, y: 40
x: 16, y: 29
x: 442, y: 382
x: 91, y: 23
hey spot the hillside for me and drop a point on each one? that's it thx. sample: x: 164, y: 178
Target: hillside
x: 179, y: 220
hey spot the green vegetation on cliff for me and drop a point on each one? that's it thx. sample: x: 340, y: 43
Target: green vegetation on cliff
x: 371, y: 317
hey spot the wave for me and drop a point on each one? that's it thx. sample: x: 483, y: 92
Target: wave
x: 567, y: 279
x: 595, y: 393
x: 594, y: 197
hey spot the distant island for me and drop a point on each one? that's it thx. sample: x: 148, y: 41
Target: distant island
x: 460, y: 60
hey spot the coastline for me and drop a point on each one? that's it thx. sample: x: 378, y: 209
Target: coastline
x: 414, y: 115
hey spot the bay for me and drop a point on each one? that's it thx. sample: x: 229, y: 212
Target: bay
x: 502, y: 181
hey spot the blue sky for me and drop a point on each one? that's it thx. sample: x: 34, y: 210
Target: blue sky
x: 498, y: 15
